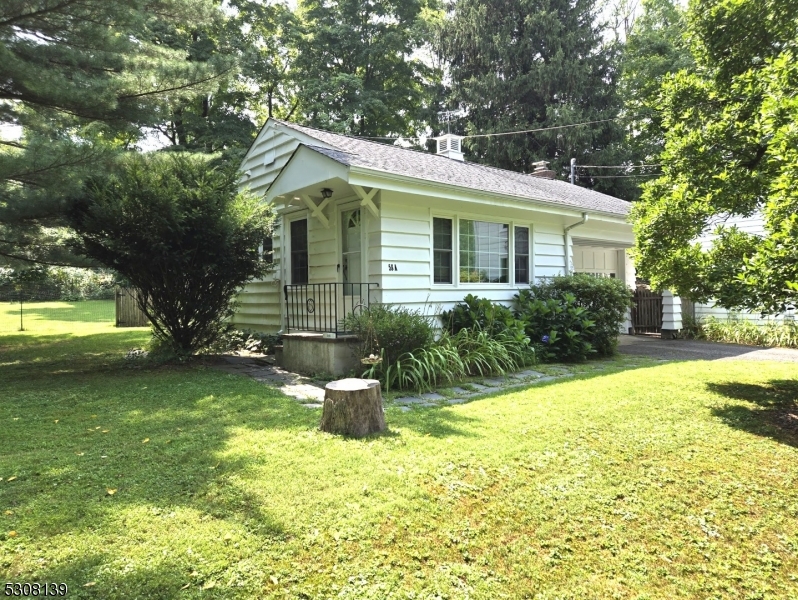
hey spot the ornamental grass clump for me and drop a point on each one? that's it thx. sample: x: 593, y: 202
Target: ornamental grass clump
x: 487, y: 341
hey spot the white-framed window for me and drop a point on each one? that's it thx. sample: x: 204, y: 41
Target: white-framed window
x: 522, y: 255
x: 298, y: 250
x: 484, y: 249
x: 442, y: 250
x: 468, y: 250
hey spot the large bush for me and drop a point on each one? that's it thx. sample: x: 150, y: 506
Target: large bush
x: 606, y: 301
x: 389, y: 331
x: 179, y: 231
x: 559, y: 327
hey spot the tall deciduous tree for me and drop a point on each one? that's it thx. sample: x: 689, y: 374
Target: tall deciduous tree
x: 79, y: 80
x: 656, y: 48
x: 356, y: 67
x: 179, y: 230
x: 261, y: 39
x: 534, y: 64
x: 730, y: 150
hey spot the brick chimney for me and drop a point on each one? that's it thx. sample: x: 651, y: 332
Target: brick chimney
x: 542, y: 170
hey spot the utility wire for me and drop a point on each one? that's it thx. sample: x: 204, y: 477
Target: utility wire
x: 621, y: 176
x: 616, y: 166
x: 479, y: 135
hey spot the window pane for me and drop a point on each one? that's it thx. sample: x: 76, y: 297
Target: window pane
x: 441, y: 250
x: 522, y: 254
x: 484, y: 252
x: 299, y: 251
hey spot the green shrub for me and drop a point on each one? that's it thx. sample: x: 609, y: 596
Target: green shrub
x: 606, y: 301
x: 474, y: 312
x: 560, y: 329
x: 739, y: 331
x: 389, y: 331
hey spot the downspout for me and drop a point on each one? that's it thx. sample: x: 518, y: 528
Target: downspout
x: 569, y: 244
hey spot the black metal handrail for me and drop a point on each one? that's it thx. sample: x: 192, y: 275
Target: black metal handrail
x: 322, y: 307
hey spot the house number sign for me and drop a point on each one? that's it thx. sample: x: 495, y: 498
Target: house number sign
x: 392, y: 267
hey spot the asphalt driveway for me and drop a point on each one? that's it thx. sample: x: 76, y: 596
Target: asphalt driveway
x: 697, y: 350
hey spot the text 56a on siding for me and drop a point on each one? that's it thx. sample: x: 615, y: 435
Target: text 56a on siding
x: 393, y: 267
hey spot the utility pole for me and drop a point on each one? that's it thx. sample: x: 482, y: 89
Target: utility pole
x: 573, y: 171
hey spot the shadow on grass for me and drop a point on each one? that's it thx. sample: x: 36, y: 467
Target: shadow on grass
x: 775, y: 410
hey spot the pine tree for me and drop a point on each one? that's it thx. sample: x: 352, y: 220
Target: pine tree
x: 80, y: 81
x: 533, y: 64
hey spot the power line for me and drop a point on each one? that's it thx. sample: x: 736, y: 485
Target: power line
x: 616, y: 166
x: 622, y: 176
x: 479, y: 135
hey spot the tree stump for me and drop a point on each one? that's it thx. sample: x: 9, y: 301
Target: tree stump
x: 352, y: 407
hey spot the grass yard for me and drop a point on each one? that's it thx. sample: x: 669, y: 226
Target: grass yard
x: 675, y: 480
x: 58, y: 316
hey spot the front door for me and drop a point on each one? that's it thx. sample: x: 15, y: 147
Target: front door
x: 351, y: 251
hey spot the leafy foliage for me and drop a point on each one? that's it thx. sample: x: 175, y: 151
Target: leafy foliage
x: 373, y: 83
x: 474, y: 312
x: 389, y: 331
x: 606, y: 301
x: 560, y: 328
x: 179, y: 231
x: 730, y: 150
x: 655, y: 49
x: 469, y: 352
x: 739, y: 331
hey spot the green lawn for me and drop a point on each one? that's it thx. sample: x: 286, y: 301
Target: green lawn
x: 43, y: 317
x: 675, y: 480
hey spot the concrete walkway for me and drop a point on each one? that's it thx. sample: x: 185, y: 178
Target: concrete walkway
x: 310, y: 392
x: 651, y: 347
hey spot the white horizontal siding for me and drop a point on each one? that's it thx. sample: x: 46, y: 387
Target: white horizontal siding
x: 259, y: 307
x: 705, y: 311
x: 754, y: 225
x: 260, y: 302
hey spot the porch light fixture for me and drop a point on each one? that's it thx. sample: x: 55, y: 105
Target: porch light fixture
x: 326, y: 193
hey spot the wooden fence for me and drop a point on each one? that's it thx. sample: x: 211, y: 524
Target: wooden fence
x: 128, y: 313
x: 647, y: 311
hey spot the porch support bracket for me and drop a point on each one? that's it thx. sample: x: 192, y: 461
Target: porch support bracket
x: 367, y: 199
x: 317, y: 210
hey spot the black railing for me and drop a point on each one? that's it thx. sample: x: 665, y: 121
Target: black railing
x: 322, y: 307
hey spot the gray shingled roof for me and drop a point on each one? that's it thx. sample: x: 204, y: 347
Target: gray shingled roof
x: 440, y: 169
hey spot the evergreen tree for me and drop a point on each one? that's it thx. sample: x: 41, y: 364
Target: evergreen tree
x: 80, y: 80
x: 356, y: 69
x: 534, y: 64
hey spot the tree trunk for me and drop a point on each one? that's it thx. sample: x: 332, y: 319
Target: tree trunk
x: 353, y: 407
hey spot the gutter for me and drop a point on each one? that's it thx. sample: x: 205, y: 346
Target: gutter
x: 569, y: 244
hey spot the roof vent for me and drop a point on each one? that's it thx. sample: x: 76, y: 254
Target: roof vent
x: 542, y: 170
x: 449, y: 145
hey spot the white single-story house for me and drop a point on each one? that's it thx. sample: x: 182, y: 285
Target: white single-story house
x: 362, y: 222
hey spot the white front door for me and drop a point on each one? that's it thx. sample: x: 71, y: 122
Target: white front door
x: 351, y: 250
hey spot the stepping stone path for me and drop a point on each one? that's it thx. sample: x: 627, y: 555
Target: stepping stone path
x: 310, y: 392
